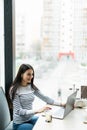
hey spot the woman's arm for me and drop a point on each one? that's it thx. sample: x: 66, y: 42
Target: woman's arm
x: 45, y: 98
x: 18, y: 108
x: 22, y: 112
x: 17, y: 105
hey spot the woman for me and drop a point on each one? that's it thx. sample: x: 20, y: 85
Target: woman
x: 22, y: 94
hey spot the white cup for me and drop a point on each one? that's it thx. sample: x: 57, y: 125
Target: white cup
x: 48, y: 117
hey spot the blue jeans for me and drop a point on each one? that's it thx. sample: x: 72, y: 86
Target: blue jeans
x: 27, y: 125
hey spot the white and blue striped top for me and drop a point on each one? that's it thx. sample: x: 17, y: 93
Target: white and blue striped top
x: 22, y: 103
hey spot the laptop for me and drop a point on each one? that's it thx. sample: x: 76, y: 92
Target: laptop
x: 60, y: 112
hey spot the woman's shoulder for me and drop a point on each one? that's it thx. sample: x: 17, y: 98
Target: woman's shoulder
x: 11, y: 89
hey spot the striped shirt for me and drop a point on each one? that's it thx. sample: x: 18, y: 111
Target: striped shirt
x: 22, y: 103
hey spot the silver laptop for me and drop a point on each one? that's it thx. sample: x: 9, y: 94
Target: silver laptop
x: 61, y: 112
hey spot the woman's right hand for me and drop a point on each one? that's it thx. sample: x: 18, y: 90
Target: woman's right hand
x: 43, y: 109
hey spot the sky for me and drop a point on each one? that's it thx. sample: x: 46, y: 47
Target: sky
x: 33, y: 11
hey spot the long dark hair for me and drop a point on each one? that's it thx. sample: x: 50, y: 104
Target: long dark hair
x: 17, y: 81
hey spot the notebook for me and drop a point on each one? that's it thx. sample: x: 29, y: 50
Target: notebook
x: 61, y: 112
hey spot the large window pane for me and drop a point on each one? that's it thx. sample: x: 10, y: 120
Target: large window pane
x: 52, y: 37
x: 1, y: 43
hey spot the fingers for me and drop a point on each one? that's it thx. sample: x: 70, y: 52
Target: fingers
x: 44, y: 109
x: 48, y: 108
x: 63, y: 105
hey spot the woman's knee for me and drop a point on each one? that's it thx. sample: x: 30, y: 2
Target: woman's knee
x: 25, y: 126
x: 33, y: 120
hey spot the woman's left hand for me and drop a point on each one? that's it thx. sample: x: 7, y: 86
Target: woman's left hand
x: 63, y: 104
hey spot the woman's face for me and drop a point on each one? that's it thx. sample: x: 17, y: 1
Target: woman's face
x: 27, y: 76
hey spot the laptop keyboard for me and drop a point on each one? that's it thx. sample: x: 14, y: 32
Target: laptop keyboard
x: 57, y: 112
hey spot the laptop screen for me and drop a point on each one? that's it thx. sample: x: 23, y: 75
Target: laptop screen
x: 70, y: 103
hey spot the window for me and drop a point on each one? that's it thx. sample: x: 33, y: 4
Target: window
x: 57, y: 63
